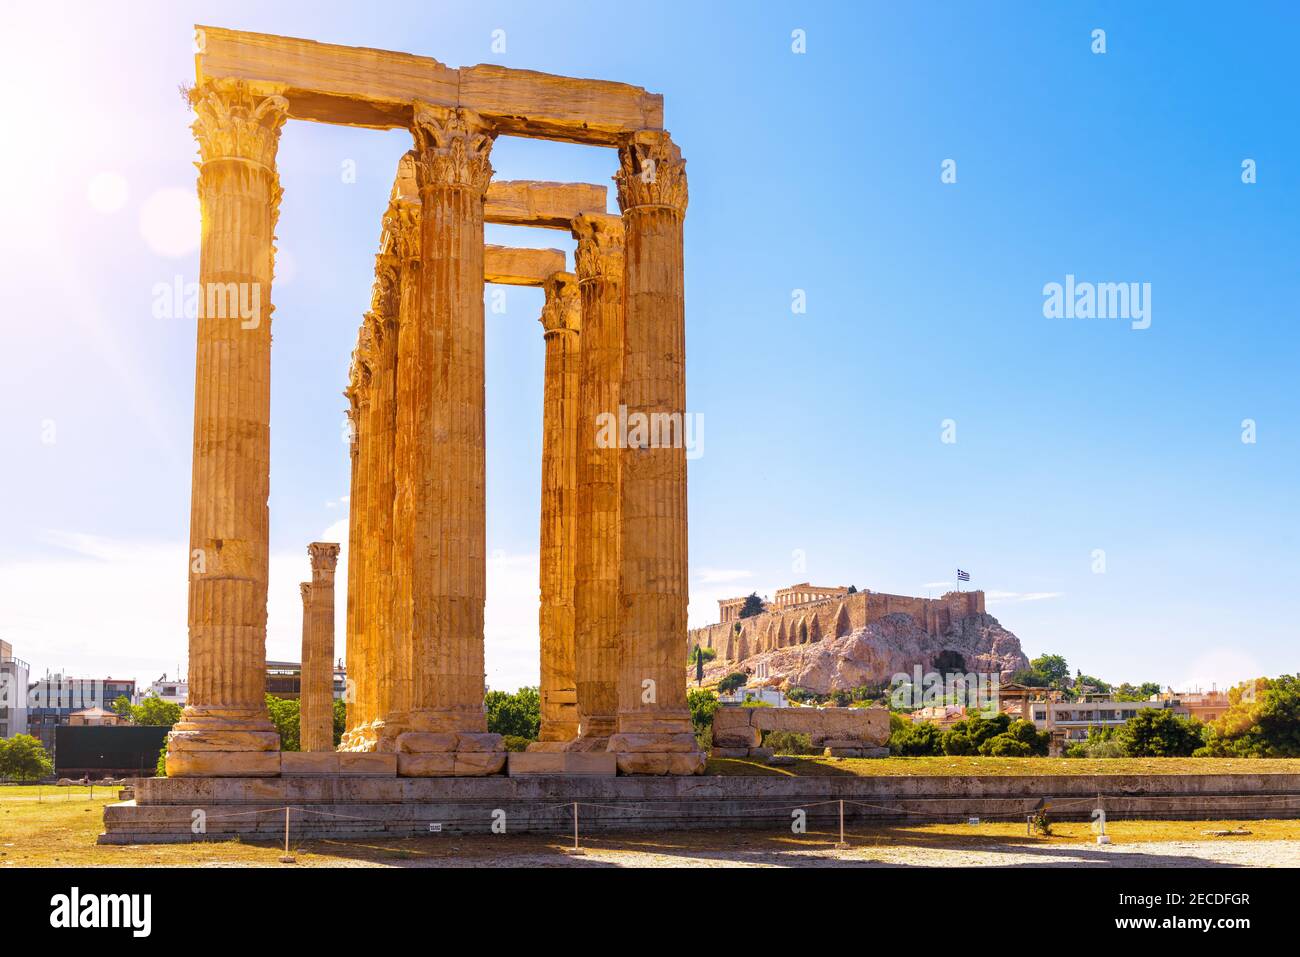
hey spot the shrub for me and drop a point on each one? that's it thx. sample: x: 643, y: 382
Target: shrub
x: 518, y: 714
x: 1159, y: 733
x: 708, y: 654
x: 732, y: 682
x: 789, y: 742
x: 516, y: 742
x: 22, y: 758
x: 914, y: 740
x: 1005, y: 746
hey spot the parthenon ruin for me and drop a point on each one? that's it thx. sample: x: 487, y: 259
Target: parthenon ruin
x: 613, y: 520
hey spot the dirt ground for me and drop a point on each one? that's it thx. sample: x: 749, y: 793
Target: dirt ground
x: 57, y: 827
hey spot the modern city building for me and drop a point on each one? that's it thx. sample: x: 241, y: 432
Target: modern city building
x: 14, y: 677
x: 284, y: 679
x: 52, y: 700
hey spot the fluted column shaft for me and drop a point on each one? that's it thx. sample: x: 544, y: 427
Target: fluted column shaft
x: 443, y: 726
x: 358, y: 655
x: 562, y: 320
x: 225, y: 728
x: 317, y: 684
x: 600, y: 265
x: 410, y: 465
x: 379, y: 586
x: 654, y: 725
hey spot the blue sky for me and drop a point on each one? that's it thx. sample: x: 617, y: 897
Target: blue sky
x: 818, y: 172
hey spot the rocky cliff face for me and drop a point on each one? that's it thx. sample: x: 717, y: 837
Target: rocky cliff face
x: 873, y: 655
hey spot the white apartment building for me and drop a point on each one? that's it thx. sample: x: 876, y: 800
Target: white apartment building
x: 175, y: 690
x: 14, y: 677
x: 1069, y: 721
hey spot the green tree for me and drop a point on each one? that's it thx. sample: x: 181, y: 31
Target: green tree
x: 702, y: 703
x: 23, y: 759
x: 1159, y: 733
x: 753, y: 606
x: 1262, y: 721
x: 708, y: 654
x: 1142, y: 692
x: 914, y: 739
x: 1020, y: 740
x: 518, y: 714
x: 286, y: 715
x: 121, y: 707
x: 967, y: 735
x: 340, y: 720
x: 732, y: 681
x: 155, y: 712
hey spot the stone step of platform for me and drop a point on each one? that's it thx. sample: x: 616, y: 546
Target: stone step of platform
x: 170, y: 809
x: 601, y: 764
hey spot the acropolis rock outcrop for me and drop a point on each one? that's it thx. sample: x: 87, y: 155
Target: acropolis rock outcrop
x: 870, y: 653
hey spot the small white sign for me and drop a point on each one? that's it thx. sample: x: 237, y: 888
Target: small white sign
x: 435, y: 828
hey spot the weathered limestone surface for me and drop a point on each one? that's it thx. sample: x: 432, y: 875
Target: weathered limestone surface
x: 391, y: 807
x: 654, y: 725
x: 614, y: 610
x: 562, y: 320
x: 565, y: 763
x: 599, y: 527
x: 358, y: 86
x: 358, y: 651
x: 317, y: 694
x: 542, y: 204
x: 371, y: 651
x: 444, y: 492
x: 238, y: 133
x: 510, y: 266
x: 841, y: 732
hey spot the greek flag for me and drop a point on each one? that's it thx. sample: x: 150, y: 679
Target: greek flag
x: 963, y: 576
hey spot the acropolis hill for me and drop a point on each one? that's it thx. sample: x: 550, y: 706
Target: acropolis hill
x: 828, y: 639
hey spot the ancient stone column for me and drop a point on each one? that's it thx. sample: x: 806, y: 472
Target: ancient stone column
x: 371, y: 589
x: 225, y: 729
x: 442, y: 525
x: 358, y: 652
x: 598, y: 528
x: 654, y: 724
x: 317, y: 697
x: 562, y: 320
x: 410, y: 465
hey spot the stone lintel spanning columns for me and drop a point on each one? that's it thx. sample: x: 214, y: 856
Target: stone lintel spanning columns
x: 442, y: 727
x: 600, y: 265
x: 562, y: 321
x: 224, y: 729
x: 515, y: 266
x: 317, y: 684
x: 361, y: 86
x: 543, y: 204
x: 654, y: 725
x: 522, y: 202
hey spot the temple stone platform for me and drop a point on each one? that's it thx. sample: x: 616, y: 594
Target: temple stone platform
x: 177, y: 810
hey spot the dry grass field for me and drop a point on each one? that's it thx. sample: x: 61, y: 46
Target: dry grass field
x: 53, y: 827
x: 896, y: 766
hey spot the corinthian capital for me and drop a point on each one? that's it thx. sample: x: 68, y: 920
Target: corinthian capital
x: 599, y: 253
x: 651, y: 172
x: 324, y: 556
x: 232, y: 122
x: 452, y: 149
x: 562, y: 311
x: 384, y: 295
